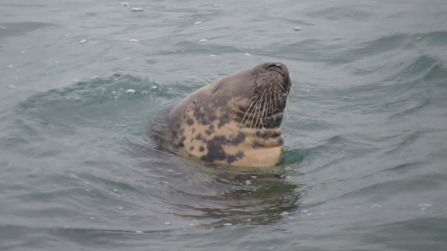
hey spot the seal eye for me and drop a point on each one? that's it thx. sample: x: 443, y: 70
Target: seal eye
x: 216, y: 88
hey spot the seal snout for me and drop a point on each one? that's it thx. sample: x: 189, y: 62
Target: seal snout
x: 282, y: 70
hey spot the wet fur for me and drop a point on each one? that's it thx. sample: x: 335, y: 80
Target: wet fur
x: 233, y: 121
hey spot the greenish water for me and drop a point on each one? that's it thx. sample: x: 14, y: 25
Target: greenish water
x: 366, y: 132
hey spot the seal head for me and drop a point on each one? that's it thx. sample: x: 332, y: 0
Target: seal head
x: 235, y: 120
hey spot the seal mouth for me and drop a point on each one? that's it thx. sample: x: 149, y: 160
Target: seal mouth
x: 265, y: 107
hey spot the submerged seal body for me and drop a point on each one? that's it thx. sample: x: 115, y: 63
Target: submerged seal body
x: 234, y: 121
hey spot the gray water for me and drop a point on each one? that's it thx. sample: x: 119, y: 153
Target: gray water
x: 365, y: 165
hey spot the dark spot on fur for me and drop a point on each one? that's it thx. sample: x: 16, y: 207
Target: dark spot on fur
x: 190, y: 121
x: 224, y: 119
x: 183, y: 139
x: 267, y: 133
x: 216, y: 151
x: 181, y: 144
x: 193, y: 130
x: 238, y: 139
x: 199, y: 137
x: 210, y: 130
x: 234, y: 157
x: 280, y: 140
x: 274, y: 120
x: 205, y: 115
x: 201, y: 149
x: 257, y: 143
x: 191, y: 148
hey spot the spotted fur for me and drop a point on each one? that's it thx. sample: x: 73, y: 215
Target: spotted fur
x: 233, y: 121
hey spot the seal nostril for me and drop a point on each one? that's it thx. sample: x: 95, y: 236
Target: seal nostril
x: 275, y: 67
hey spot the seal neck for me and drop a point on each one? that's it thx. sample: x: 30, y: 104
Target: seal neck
x: 261, y: 133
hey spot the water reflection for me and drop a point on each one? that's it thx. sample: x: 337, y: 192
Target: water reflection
x: 222, y: 196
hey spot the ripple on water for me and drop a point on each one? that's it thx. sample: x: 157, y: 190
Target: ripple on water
x: 219, y: 197
x: 411, y: 232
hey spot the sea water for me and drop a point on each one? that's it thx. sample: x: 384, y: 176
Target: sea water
x: 365, y: 161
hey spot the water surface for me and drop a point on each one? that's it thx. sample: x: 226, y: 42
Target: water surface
x: 366, y: 131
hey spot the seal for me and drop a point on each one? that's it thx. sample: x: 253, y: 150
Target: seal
x: 233, y: 121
